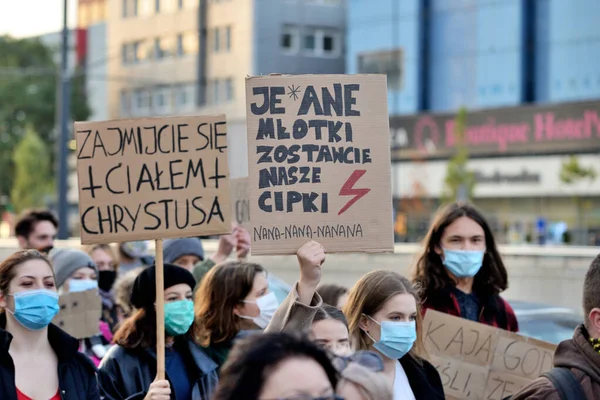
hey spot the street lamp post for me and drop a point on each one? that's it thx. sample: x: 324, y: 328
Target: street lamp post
x: 63, y: 133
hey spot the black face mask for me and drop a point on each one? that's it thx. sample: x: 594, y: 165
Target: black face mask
x: 106, y: 279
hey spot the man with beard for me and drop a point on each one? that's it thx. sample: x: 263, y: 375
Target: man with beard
x: 36, y: 229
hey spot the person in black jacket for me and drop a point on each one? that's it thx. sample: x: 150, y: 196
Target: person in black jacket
x: 37, y: 359
x: 383, y: 316
x: 128, y: 370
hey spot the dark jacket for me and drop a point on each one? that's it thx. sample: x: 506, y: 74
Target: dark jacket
x: 495, y: 311
x: 76, y: 373
x: 126, y: 374
x: 576, y: 354
x: 424, y: 379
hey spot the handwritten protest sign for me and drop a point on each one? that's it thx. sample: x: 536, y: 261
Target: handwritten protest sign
x: 79, y: 313
x: 477, y: 361
x: 239, y: 201
x: 319, y: 163
x: 153, y: 178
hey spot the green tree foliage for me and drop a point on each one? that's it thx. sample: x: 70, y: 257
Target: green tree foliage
x: 572, y: 172
x: 32, y: 181
x: 28, y: 95
x: 459, y: 182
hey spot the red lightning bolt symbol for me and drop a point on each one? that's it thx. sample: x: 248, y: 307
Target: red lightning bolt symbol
x: 348, y: 189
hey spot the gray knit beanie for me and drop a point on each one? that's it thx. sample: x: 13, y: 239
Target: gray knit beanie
x: 175, y: 248
x: 67, y: 261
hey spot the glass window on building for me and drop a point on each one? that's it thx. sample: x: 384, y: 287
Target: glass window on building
x: 329, y: 43
x: 168, y: 6
x: 137, y: 52
x: 125, y: 103
x: 181, y: 98
x: 310, y: 41
x: 322, y: 42
x: 125, y: 53
x: 162, y: 99
x: 157, y: 6
x: 146, y: 7
x: 141, y: 102
x: 191, y: 91
x: 289, y: 39
x: 229, y: 89
x: 135, y: 8
x: 215, y: 91
x: 180, y: 4
x: 383, y: 62
x: 216, y: 40
x: 187, y: 43
x: 145, y: 50
x: 165, y: 47
x: 227, y: 38
x: 125, y: 8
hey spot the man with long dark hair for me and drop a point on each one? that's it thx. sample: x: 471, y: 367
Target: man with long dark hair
x: 460, y: 271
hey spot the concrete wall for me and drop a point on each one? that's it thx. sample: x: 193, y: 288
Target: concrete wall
x: 551, y: 275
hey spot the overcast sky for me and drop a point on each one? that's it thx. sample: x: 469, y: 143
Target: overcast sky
x: 22, y: 18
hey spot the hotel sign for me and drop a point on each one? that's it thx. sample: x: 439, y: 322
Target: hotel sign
x: 531, y: 130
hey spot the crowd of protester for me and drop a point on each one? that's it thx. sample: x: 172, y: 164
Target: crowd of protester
x: 230, y: 337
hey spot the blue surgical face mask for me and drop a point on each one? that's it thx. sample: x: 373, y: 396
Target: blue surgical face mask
x: 463, y: 263
x: 81, y: 285
x: 35, y: 309
x: 179, y: 316
x: 396, y: 338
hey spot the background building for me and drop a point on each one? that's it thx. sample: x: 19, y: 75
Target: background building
x: 178, y: 57
x: 487, y: 54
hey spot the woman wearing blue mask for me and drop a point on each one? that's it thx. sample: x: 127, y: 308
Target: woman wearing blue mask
x: 76, y: 272
x: 383, y: 316
x: 37, y: 359
x: 460, y: 271
x: 129, y: 369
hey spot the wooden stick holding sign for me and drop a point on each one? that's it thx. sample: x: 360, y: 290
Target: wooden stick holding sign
x: 160, y: 311
x: 151, y: 179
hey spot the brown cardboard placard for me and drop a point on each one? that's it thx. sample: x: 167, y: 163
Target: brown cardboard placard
x: 461, y: 380
x: 239, y: 201
x: 153, y: 178
x: 79, y: 313
x: 319, y: 163
x: 478, y: 361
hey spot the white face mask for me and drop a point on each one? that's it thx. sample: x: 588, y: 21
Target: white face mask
x: 267, y: 305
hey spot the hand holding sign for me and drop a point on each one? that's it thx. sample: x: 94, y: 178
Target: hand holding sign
x: 311, y: 257
x: 243, y: 242
x: 160, y: 389
x: 226, y: 245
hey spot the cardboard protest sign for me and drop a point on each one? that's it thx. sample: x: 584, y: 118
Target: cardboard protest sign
x: 319, y: 163
x: 79, y: 313
x: 153, y: 178
x: 477, y: 361
x: 239, y: 201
